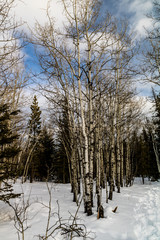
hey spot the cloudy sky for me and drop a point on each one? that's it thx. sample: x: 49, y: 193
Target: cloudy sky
x: 134, y: 10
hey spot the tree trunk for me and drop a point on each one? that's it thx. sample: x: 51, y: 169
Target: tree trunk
x: 128, y: 169
x: 156, y: 152
x: 121, y: 180
x: 86, y: 165
x: 107, y: 173
x: 112, y: 172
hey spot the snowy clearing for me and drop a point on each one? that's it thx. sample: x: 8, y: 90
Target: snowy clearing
x: 137, y: 216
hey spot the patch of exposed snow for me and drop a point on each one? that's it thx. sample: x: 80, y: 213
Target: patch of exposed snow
x: 137, y: 216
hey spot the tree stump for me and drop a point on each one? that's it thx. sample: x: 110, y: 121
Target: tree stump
x: 100, y: 212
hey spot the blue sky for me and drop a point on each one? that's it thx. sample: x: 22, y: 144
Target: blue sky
x: 134, y: 10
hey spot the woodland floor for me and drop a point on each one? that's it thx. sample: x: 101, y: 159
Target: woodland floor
x: 137, y: 216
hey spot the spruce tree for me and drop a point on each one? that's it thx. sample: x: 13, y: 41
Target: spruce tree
x: 144, y: 160
x: 34, y: 132
x: 153, y: 169
x: 143, y: 168
x: 62, y: 164
x: 156, y: 123
x: 156, y: 119
x: 35, y: 120
x: 8, y: 151
x: 46, y: 155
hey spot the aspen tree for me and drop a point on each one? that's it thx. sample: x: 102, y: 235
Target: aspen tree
x: 10, y: 60
x: 112, y: 153
x: 151, y: 59
x: 81, y: 21
x: 10, y: 55
x: 79, y: 63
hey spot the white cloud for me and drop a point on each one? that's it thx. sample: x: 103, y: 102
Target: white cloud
x: 137, y: 11
x: 147, y: 107
x: 30, y: 11
x: 142, y: 25
x: 140, y: 6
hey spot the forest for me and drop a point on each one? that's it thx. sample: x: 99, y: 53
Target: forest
x: 92, y: 131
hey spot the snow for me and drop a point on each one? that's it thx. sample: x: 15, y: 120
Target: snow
x: 137, y: 216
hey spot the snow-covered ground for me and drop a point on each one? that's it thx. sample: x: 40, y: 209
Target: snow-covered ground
x: 137, y: 216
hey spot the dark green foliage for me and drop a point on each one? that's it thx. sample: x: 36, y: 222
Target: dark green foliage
x: 153, y: 169
x: 60, y: 164
x: 48, y: 160
x: 34, y: 133
x: 46, y: 155
x: 35, y: 120
x: 7, y: 192
x: 63, y: 146
x: 156, y: 119
x: 144, y: 160
x: 8, y: 151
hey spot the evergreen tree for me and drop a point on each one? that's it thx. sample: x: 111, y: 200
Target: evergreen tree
x: 46, y: 155
x: 62, y: 164
x: 156, y: 135
x: 35, y: 120
x: 156, y: 119
x: 8, y: 151
x: 153, y: 169
x: 143, y: 155
x: 34, y: 132
x: 144, y: 160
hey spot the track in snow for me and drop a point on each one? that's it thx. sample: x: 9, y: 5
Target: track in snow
x: 147, y: 214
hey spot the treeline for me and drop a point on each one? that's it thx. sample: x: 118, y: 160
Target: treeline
x: 44, y: 157
x: 96, y: 132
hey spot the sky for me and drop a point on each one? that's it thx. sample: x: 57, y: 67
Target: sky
x: 134, y: 10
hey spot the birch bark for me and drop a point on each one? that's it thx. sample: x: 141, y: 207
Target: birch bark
x: 88, y: 205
